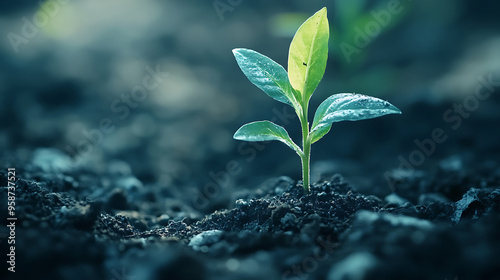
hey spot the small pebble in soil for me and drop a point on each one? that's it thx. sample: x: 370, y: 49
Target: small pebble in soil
x: 202, y: 241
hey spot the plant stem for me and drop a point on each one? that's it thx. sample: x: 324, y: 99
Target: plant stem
x: 305, y: 165
x: 306, y: 148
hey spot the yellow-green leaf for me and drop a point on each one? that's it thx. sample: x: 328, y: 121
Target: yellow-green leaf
x: 308, y: 55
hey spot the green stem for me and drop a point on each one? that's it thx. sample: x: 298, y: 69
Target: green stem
x: 306, y: 148
x: 305, y: 166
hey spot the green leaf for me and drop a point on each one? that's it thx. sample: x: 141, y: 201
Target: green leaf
x: 319, y: 133
x: 265, y: 131
x: 308, y: 54
x: 348, y: 107
x: 267, y: 75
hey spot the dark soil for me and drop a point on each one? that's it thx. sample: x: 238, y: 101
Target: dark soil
x: 441, y: 223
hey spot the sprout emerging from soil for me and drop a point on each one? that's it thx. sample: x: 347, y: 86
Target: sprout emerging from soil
x: 306, y: 65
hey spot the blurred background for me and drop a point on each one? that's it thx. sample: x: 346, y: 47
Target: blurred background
x: 151, y: 88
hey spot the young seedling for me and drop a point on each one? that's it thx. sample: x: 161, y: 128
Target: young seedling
x: 306, y: 65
